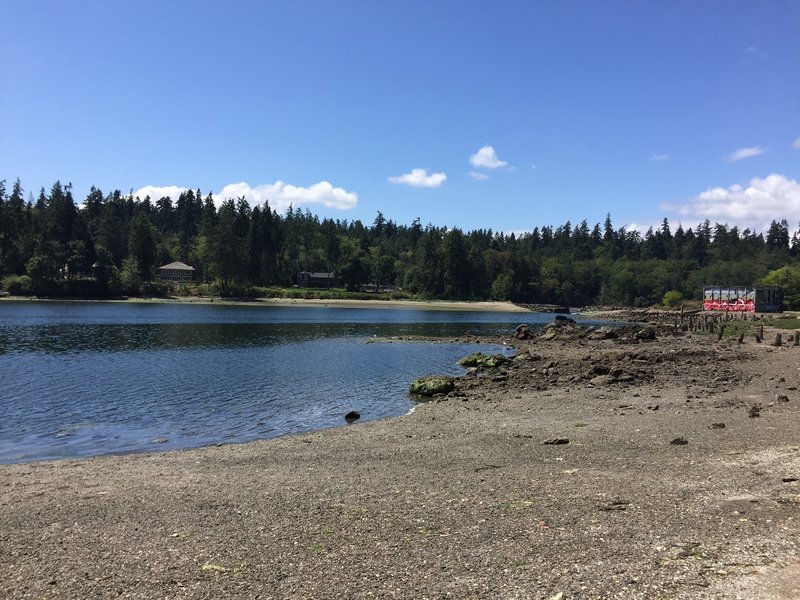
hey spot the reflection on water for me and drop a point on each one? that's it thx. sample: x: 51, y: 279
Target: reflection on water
x: 83, y: 379
x: 78, y: 338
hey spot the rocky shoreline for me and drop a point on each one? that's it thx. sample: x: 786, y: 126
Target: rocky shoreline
x: 594, y: 464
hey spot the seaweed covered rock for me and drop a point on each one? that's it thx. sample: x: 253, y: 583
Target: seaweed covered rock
x: 433, y: 384
x: 648, y: 333
x: 483, y: 361
x: 562, y: 327
x: 523, y: 332
x: 603, y: 333
x: 526, y: 355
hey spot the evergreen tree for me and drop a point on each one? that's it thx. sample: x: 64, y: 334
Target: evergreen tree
x: 142, y: 247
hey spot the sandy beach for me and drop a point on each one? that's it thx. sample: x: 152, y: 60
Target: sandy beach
x: 587, y: 468
x: 483, y: 306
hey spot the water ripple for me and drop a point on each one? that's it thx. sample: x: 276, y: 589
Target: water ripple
x: 81, y: 382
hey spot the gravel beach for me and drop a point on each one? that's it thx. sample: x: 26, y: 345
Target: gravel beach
x: 606, y: 468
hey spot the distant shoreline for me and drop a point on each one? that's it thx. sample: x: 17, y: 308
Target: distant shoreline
x: 337, y: 303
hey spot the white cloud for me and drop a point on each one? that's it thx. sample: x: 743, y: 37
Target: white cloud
x: 486, y: 158
x: 743, y: 153
x: 517, y: 233
x: 643, y: 226
x: 279, y: 194
x: 796, y: 144
x: 752, y: 53
x: 157, y: 192
x: 659, y: 157
x: 477, y: 176
x: 420, y: 178
x: 774, y: 197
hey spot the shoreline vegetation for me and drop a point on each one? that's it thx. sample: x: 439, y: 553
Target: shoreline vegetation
x: 626, y: 462
x: 112, y: 245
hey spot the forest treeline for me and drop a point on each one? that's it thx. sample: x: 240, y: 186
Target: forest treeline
x: 113, y: 244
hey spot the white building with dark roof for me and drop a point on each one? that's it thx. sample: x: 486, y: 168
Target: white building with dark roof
x: 177, y: 272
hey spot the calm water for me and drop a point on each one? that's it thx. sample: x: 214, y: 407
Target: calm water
x: 81, y: 379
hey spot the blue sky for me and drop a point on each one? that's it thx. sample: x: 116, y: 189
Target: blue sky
x: 501, y: 115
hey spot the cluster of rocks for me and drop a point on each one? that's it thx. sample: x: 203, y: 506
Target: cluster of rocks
x: 478, y: 360
x: 565, y: 328
x: 624, y: 367
x: 562, y: 327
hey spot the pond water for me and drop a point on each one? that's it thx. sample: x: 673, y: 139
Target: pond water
x: 89, y: 378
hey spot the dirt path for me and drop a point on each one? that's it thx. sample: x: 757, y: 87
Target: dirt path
x: 563, y: 473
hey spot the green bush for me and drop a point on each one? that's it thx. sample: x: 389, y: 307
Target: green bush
x: 673, y: 298
x: 155, y: 289
x: 242, y: 291
x: 502, y: 286
x: 83, y: 288
x: 18, y: 285
x: 787, y: 278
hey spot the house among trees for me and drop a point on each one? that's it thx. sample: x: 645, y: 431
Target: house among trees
x: 316, y: 280
x: 177, y: 272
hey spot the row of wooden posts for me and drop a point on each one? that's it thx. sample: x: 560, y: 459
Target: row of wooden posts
x: 715, y: 323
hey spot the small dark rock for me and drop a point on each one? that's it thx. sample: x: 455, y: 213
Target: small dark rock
x: 487, y: 467
x: 754, y: 412
x: 648, y: 333
x: 717, y: 426
x: 615, y: 505
x: 789, y: 479
x: 556, y: 441
x: 352, y: 416
x: 652, y: 407
x: 602, y: 380
x: 603, y: 333
x: 782, y: 398
x: 679, y: 441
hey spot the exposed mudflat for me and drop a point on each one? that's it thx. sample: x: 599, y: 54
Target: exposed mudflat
x: 589, y: 468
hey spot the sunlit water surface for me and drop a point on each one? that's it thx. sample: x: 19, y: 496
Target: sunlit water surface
x: 82, y: 379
